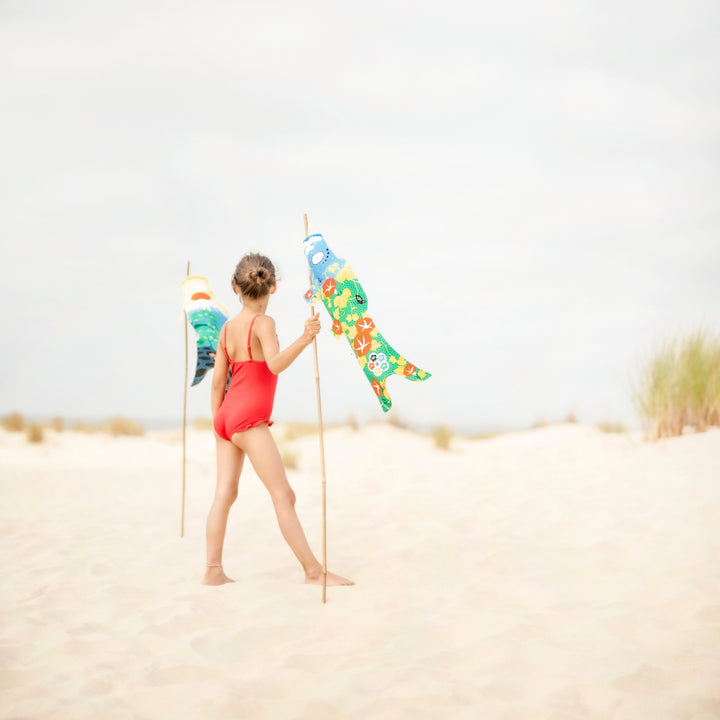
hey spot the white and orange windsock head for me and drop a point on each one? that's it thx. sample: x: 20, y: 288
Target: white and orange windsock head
x: 207, y: 316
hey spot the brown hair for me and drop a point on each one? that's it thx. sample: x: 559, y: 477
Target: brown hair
x: 254, y: 276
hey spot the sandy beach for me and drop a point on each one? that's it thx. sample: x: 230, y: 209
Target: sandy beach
x: 554, y: 574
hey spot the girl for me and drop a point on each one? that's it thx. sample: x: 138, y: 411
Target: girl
x: 248, y: 345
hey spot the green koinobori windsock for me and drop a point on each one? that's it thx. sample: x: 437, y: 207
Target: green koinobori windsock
x: 336, y: 286
x: 206, y: 316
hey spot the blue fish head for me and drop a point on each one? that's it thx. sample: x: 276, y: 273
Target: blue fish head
x: 319, y: 256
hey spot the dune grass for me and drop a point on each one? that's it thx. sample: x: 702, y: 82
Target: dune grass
x: 680, y: 386
x: 35, y: 433
x: 608, y: 426
x: 442, y: 435
x: 484, y: 435
x: 115, y: 426
x: 14, y: 422
x: 295, y: 430
x: 87, y: 427
x: 397, y: 421
x: 289, y: 458
x: 202, y: 423
x: 123, y: 426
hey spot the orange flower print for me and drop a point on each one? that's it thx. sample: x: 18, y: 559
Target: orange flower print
x: 365, y: 324
x: 329, y: 287
x: 362, y: 343
x: 337, y: 327
x: 377, y: 387
x: 309, y: 294
x: 409, y: 370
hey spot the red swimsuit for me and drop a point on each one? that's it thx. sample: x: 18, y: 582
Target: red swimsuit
x: 249, y: 399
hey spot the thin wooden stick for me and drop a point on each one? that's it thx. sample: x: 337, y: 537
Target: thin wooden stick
x: 322, y: 448
x: 182, y: 511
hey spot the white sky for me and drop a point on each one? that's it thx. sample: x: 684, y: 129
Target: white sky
x: 527, y: 191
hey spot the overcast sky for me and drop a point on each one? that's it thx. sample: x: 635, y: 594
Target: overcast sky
x: 527, y: 191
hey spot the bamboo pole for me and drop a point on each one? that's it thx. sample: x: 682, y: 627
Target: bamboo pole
x: 182, y: 511
x: 322, y: 448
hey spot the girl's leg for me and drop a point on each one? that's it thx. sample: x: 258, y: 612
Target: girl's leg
x: 260, y: 447
x: 229, y: 464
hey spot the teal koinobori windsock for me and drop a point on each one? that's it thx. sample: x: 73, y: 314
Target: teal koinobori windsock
x: 337, y: 287
x: 207, y: 316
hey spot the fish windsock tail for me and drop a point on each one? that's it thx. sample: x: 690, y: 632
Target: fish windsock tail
x: 381, y: 362
x: 205, y: 362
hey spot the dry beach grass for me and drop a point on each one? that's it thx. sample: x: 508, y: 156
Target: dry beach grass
x: 679, y: 386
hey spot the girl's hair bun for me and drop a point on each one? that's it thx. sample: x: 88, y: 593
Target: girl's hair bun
x: 254, y: 275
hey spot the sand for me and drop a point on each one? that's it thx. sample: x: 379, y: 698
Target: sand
x: 553, y: 574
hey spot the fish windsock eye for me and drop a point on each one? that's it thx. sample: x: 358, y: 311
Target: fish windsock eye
x: 317, y: 257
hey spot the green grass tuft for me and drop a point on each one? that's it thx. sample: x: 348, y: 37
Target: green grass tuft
x: 680, y: 386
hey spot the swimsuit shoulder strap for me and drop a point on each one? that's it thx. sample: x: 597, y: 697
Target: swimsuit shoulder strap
x: 250, y: 336
x: 225, y: 344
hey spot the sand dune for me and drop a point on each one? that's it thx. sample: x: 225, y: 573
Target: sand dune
x: 554, y: 574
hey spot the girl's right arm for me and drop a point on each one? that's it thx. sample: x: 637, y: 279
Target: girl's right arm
x: 278, y: 360
x: 219, y: 378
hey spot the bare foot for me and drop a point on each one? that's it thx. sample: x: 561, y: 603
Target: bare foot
x: 215, y: 576
x: 332, y: 579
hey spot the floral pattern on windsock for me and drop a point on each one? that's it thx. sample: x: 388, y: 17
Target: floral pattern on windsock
x: 337, y: 287
x: 378, y: 363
